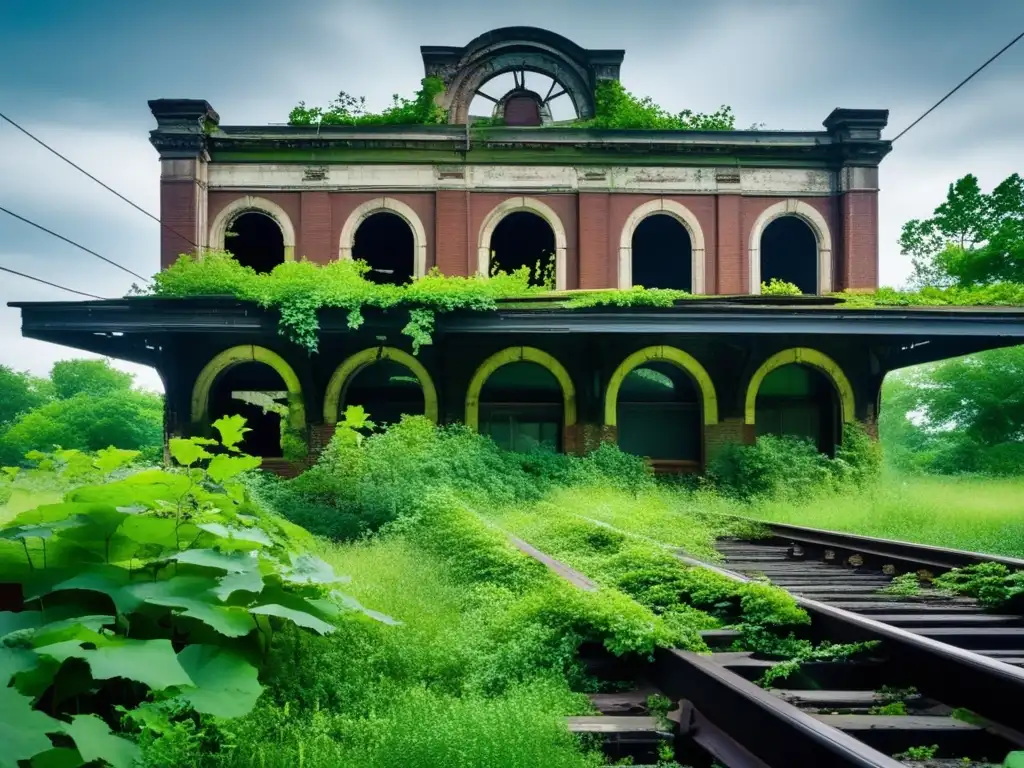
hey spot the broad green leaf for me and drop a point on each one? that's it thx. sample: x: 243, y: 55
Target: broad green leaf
x: 43, y: 530
x: 249, y: 581
x: 236, y: 562
x: 193, y: 597
x: 232, y: 430
x: 78, y: 628
x: 1014, y: 760
x: 13, y: 622
x: 109, y: 580
x: 159, y: 532
x: 186, y: 452
x: 226, y: 684
x: 22, y: 729
x: 223, y: 467
x: 303, y: 619
x: 309, y: 569
x: 255, y: 535
x: 94, y: 740
x: 14, y: 661
x: 59, y: 757
x: 109, y: 459
x: 151, y: 662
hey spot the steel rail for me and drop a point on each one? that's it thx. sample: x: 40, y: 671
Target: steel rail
x: 899, y: 551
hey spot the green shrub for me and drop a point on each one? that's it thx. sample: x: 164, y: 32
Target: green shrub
x: 776, y: 287
x: 772, y: 466
x: 149, y: 594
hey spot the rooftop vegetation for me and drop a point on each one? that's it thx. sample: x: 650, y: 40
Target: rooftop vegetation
x: 299, y: 289
x: 616, y: 109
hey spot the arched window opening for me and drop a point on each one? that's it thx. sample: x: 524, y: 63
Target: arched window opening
x: 789, y: 252
x: 521, y: 408
x: 659, y: 414
x: 522, y: 98
x: 662, y: 254
x: 799, y: 401
x: 255, y: 240
x: 385, y: 241
x: 387, y: 390
x: 229, y: 397
x: 524, y: 239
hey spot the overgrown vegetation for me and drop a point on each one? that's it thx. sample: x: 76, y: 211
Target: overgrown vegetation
x: 84, y: 404
x: 150, y: 598
x: 618, y: 109
x: 993, y: 584
x: 351, y: 110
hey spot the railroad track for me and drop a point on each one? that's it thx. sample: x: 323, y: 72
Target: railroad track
x: 946, y: 673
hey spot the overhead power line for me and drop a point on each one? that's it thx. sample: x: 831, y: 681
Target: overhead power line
x: 110, y: 189
x: 53, y: 285
x: 72, y: 242
x: 964, y: 82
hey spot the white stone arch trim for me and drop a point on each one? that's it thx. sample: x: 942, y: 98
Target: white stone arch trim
x: 246, y: 204
x: 390, y: 205
x: 680, y: 213
x: 513, y: 205
x: 813, y: 219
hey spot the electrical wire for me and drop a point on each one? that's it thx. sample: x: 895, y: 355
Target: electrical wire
x: 964, y: 82
x: 47, y: 282
x: 139, y: 208
x: 72, y: 242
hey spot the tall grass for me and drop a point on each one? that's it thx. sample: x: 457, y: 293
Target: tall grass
x: 978, y: 514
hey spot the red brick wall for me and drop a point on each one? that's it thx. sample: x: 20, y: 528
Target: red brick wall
x: 858, y: 263
x: 717, y: 436
x: 731, y: 267
x: 598, y: 255
x: 178, y: 214
x: 344, y: 203
x: 314, y: 228
x: 455, y: 251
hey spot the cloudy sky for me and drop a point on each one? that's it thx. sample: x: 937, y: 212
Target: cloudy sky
x: 78, y: 75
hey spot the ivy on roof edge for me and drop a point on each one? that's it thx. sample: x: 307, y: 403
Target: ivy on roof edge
x: 299, y: 289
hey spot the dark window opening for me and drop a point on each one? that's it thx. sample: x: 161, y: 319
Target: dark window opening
x: 256, y: 241
x: 387, y: 391
x: 789, y: 252
x: 524, y: 239
x: 522, y: 408
x: 265, y: 438
x: 799, y: 401
x: 385, y: 241
x: 523, y: 110
x: 662, y: 254
x: 659, y: 414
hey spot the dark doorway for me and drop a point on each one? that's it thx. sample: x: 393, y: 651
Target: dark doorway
x: 265, y: 438
x: 662, y: 254
x: 659, y: 414
x: 799, y: 401
x: 521, y: 408
x: 385, y: 241
x: 789, y: 252
x: 256, y: 241
x: 386, y: 390
x: 524, y: 239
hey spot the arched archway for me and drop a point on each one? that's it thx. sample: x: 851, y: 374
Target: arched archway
x: 386, y: 242
x: 390, y: 363
x: 218, y: 391
x: 659, y: 399
x: 791, y: 241
x: 522, y: 241
x: 664, y: 240
x: 257, y: 231
x: 800, y: 392
x: 529, y: 399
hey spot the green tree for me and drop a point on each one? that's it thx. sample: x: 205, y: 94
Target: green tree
x: 20, y: 392
x: 973, y: 238
x: 126, y: 419
x: 94, y: 377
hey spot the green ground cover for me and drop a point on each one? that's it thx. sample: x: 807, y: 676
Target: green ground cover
x: 974, y: 513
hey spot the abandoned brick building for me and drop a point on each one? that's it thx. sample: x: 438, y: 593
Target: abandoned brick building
x: 714, y: 213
